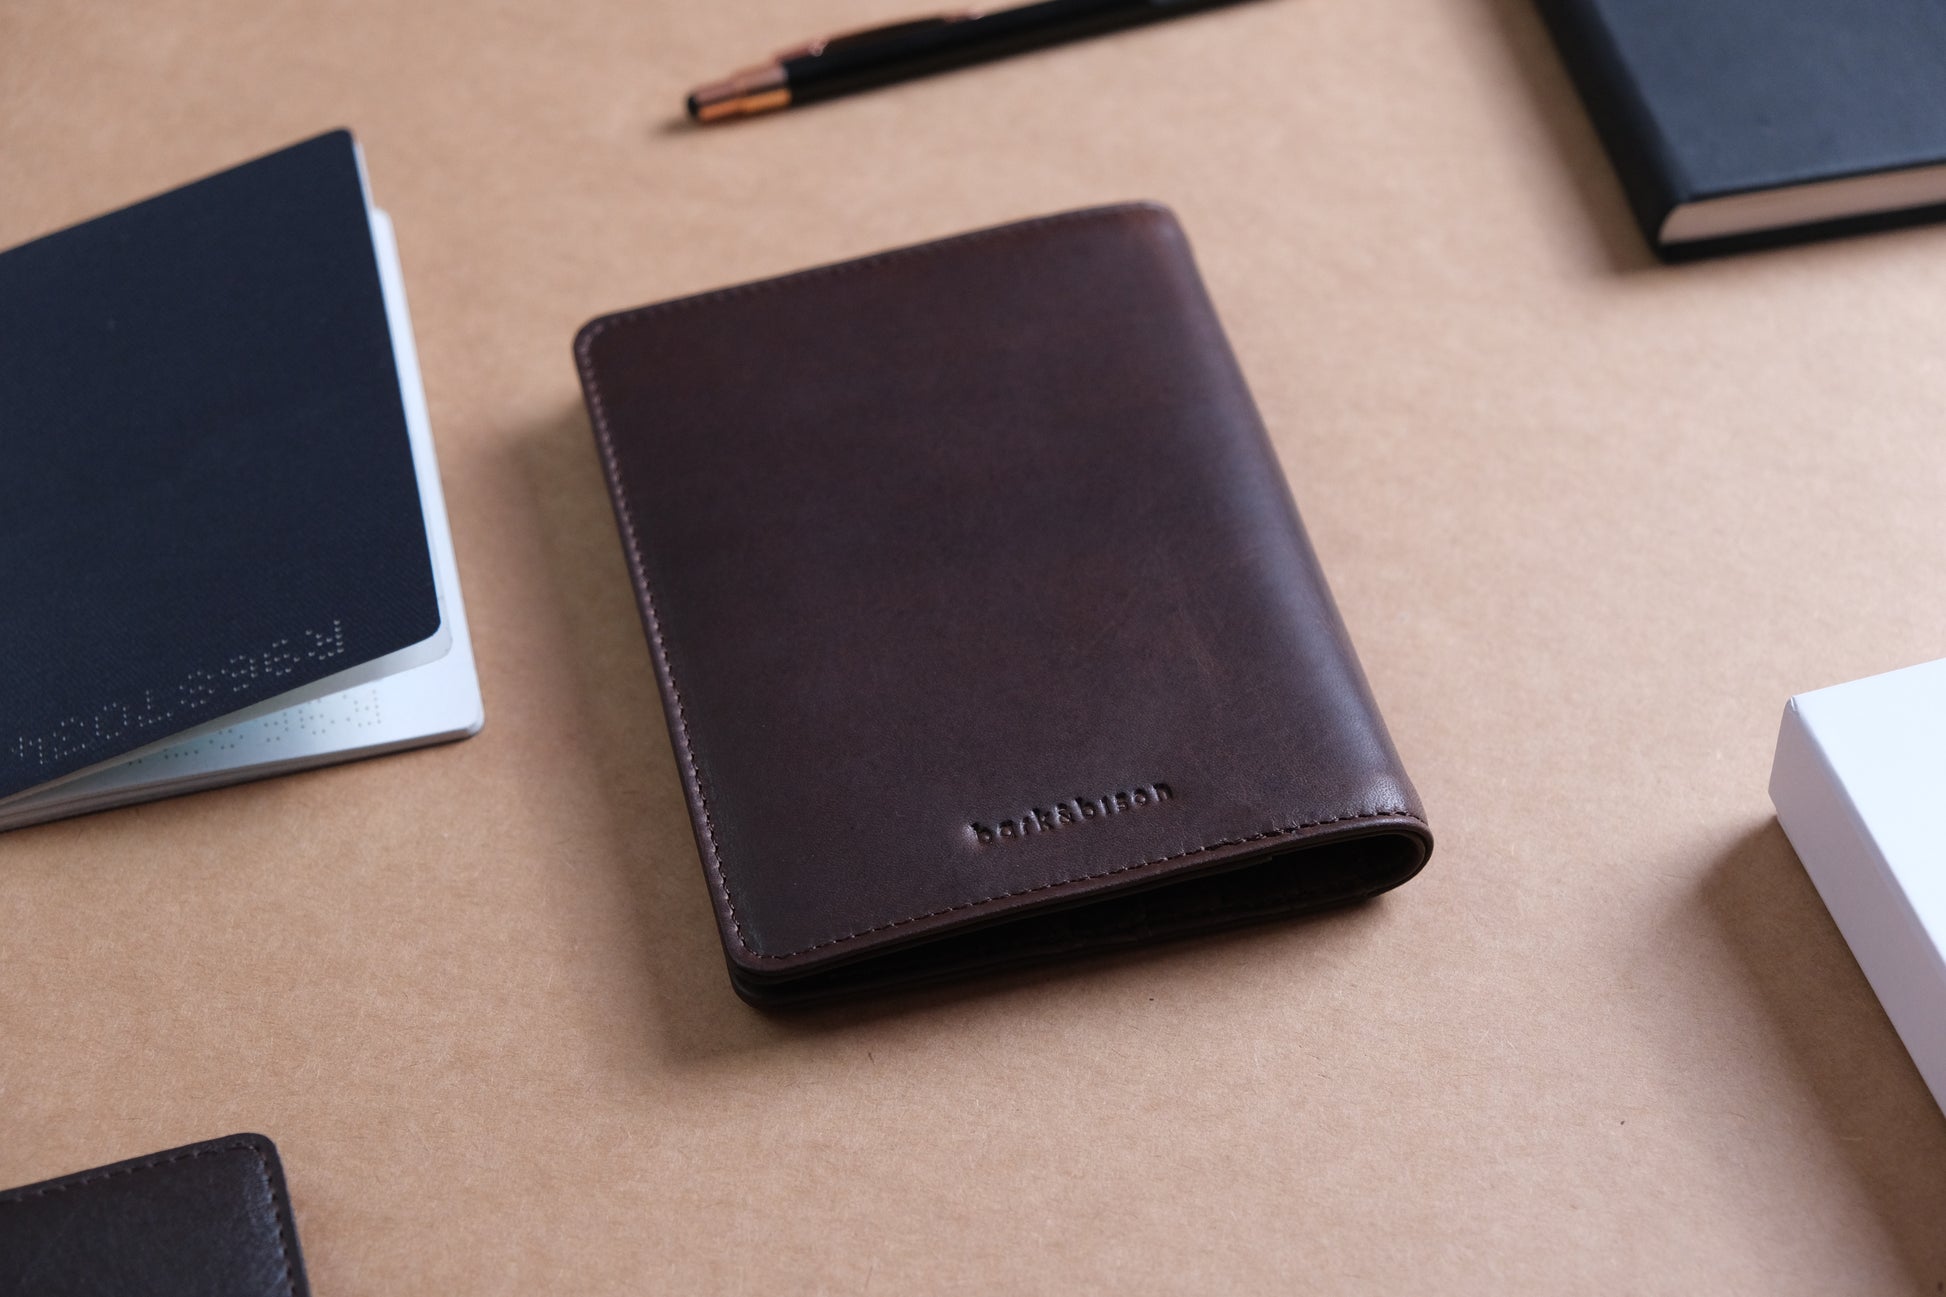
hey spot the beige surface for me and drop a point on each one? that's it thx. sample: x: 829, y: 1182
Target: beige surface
x: 1590, y: 520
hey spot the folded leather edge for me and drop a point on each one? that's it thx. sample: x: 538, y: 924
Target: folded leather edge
x: 818, y: 983
x: 1234, y: 852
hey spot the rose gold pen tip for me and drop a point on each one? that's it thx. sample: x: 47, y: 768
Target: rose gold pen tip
x: 753, y: 90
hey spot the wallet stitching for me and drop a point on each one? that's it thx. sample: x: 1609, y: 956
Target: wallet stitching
x: 277, y: 1207
x: 712, y: 855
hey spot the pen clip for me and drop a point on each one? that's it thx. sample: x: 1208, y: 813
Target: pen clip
x: 868, y: 35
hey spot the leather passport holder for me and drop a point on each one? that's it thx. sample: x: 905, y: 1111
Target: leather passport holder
x: 985, y: 626
x: 207, y: 1220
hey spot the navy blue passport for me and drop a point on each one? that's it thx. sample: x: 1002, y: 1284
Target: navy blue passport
x: 208, y: 503
x: 1739, y: 123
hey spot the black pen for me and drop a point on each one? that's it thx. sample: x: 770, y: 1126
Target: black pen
x: 838, y: 65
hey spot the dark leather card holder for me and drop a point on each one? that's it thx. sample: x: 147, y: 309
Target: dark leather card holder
x: 207, y: 1220
x: 985, y: 626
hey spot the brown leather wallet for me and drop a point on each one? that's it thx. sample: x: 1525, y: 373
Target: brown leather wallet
x: 985, y: 626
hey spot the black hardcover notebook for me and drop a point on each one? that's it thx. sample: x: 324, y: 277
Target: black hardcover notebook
x: 212, y: 505
x: 1734, y: 123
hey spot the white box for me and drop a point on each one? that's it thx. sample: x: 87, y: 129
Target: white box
x: 1859, y: 782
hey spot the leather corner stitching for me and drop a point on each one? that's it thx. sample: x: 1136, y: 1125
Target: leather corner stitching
x: 277, y: 1208
x: 280, y: 1210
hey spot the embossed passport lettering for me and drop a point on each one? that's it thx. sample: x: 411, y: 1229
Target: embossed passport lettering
x: 816, y: 476
x: 1077, y: 810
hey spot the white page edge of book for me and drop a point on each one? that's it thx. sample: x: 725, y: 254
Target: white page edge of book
x: 1793, y: 205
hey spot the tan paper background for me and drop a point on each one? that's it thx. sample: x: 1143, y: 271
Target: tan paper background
x: 1591, y: 521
